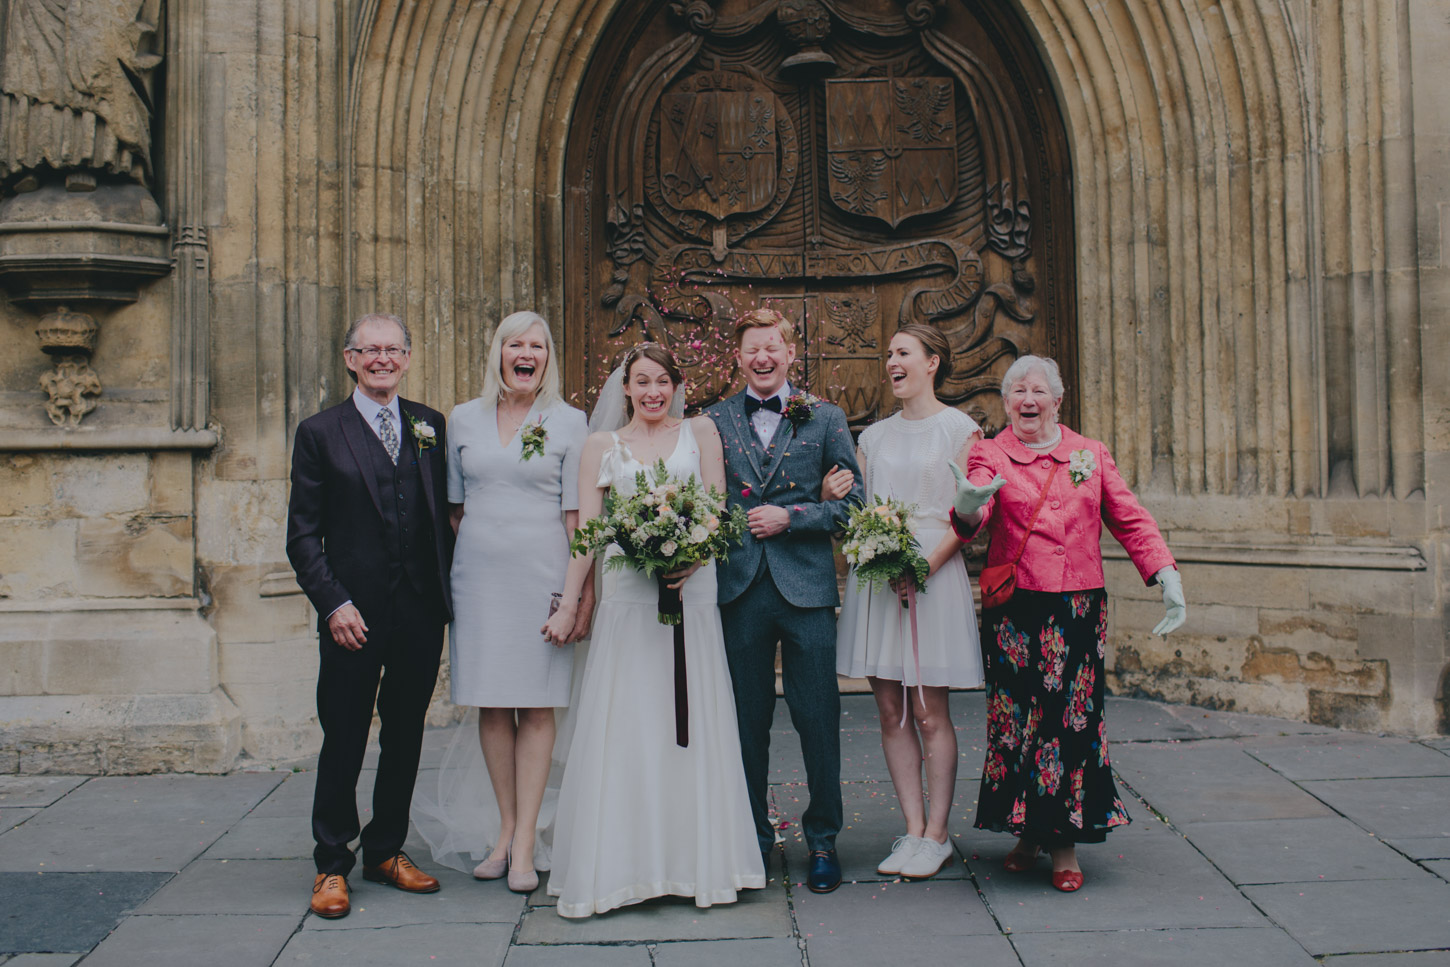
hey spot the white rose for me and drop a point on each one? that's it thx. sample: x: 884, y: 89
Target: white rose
x: 668, y: 548
x: 698, y: 534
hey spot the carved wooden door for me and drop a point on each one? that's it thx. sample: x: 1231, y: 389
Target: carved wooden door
x: 857, y: 164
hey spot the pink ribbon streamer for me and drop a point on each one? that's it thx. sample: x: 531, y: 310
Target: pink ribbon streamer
x: 916, y: 657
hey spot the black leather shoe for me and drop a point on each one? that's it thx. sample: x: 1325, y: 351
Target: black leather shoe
x: 825, y: 873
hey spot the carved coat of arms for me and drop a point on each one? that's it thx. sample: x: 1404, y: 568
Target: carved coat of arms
x: 717, y: 148
x: 892, y: 146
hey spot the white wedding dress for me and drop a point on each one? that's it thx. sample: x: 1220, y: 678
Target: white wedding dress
x: 639, y: 816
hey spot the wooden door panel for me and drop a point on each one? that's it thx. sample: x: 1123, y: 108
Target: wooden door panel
x: 858, y: 164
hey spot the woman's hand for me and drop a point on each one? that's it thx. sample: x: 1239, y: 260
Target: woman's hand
x: 970, y: 498
x: 836, y: 484
x: 557, y: 629
x: 1174, y: 603
x: 585, y: 616
x: 679, y: 577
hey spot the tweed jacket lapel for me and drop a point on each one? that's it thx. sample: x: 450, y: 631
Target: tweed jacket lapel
x: 745, y: 439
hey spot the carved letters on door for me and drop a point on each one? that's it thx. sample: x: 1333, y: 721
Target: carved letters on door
x: 857, y: 164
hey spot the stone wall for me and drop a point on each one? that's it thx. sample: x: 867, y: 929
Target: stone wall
x: 1260, y: 190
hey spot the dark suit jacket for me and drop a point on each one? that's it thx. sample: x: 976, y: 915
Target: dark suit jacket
x: 335, y: 536
x: 788, y: 474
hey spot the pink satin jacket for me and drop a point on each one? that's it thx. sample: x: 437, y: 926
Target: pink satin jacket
x: 1063, y: 552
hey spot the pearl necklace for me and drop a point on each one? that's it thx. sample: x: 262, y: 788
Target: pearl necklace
x: 1045, y: 446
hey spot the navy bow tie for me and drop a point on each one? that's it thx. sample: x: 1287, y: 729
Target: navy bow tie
x: 752, y: 404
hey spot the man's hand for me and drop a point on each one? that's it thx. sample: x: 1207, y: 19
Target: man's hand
x: 348, y: 628
x: 767, y: 520
x: 971, y: 498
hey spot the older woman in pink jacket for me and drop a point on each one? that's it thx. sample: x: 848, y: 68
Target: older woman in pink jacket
x: 1044, y: 493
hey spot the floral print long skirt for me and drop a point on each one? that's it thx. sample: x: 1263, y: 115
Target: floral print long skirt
x: 1047, y: 775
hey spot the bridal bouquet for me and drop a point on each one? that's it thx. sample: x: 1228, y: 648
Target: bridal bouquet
x: 881, y: 546
x: 667, y: 524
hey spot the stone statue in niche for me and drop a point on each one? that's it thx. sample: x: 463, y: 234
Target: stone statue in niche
x: 80, y: 229
x: 76, y: 91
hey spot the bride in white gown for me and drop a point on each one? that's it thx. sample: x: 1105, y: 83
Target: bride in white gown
x: 639, y: 816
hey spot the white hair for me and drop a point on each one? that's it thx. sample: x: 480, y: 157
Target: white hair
x: 1026, y: 364
x: 512, y: 325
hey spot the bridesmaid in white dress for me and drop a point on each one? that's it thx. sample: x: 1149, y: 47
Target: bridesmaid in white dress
x: 638, y: 815
x: 513, y: 509
x: 905, y: 456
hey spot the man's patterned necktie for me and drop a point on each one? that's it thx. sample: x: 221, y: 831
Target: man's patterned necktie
x: 388, y: 433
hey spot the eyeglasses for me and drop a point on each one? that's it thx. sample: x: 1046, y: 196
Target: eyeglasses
x: 373, y: 352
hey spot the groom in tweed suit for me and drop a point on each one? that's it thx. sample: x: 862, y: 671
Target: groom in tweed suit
x: 780, y: 585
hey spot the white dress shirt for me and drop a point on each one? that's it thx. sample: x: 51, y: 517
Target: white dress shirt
x: 370, y: 408
x: 765, y: 422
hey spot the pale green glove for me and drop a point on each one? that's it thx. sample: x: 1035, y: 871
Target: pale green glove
x: 971, y: 498
x: 1173, y: 601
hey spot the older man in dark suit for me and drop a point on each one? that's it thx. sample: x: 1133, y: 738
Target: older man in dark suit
x: 368, y: 534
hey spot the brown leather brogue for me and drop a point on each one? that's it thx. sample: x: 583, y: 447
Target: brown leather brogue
x: 329, y: 896
x: 400, y: 872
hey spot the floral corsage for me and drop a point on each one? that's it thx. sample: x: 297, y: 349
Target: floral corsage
x: 1080, y: 466
x: 533, y: 438
x: 423, y: 433
x: 801, y: 407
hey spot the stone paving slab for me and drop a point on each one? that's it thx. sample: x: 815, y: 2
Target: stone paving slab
x: 1242, y: 947
x: 157, y: 823
x: 757, y: 913
x: 35, y: 790
x: 1136, y: 720
x: 1422, y: 847
x: 1341, y: 918
x: 473, y: 944
x: 228, y: 886
x: 1423, y: 958
x: 579, y: 955
x: 1393, y: 809
x: 217, y: 941
x: 1145, y: 876
x: 1440, y: 868
x: 41, y: 960
x: 1293, y: 850
x: 775, y: 952
x: 939, y: 908
x: 1347, y: 757
x: 460, y: 899
x: 884, y: 950
x: 1210, y: 780
x: 1212, y: 724
x: 261, y: 838
x: 67, y: 912
x: 12, y: 816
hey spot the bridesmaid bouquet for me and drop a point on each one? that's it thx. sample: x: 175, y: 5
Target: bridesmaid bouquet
x: 881, y: 546
x: 667, y: 524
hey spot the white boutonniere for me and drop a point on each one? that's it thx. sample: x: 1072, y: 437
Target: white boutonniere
x: 532, y: 439
x: 1080, y: 466
x: 422, y: 432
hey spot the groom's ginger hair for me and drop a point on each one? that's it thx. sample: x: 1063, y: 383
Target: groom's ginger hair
x: 764, y: 319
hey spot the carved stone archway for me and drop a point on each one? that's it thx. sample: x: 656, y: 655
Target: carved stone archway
x: 858, y: 164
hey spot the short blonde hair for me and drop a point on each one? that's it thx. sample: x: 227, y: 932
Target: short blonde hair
x: 513, y: 325
x: 763, y: 319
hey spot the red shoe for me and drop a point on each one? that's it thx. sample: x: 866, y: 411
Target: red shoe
x: 1068, y: 881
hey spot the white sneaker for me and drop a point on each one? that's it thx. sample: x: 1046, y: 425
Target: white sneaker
x: 901, y: 851
x: 927, y: 859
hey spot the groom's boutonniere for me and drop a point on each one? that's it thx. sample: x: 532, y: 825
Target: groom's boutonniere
x: 533, y: 438
x: 423, y: 433
x: 801, y: 408
x: 1080, y: 466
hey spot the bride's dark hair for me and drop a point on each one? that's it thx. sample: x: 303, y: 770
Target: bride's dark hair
x: 654, y: 352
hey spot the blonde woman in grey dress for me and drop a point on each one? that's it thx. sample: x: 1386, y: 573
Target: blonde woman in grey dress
x: 513, y: 466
